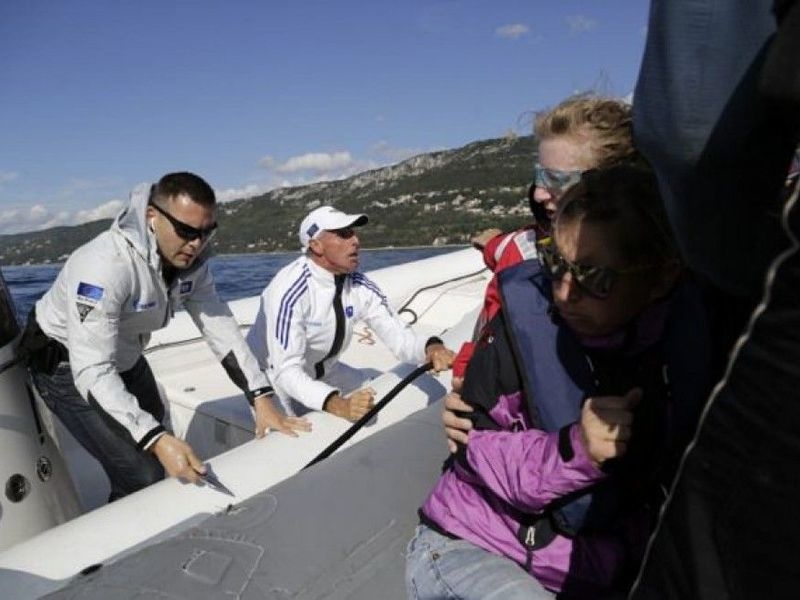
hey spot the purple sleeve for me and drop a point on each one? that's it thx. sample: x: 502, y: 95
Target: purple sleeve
x: 528, y: 469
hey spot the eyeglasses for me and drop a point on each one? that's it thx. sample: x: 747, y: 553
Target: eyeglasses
x: 553, y: 179
x: 596, y: 281
x: 344, y: 233
x: 187, y: 232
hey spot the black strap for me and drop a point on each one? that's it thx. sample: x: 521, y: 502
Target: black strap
x: 355, y: 427
x: 338, y: 337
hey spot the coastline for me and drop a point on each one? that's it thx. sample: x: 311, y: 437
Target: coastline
x: 274, y: 253
x: 370, y: 249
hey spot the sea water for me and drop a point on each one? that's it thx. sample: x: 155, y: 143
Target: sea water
x: 236, y: 276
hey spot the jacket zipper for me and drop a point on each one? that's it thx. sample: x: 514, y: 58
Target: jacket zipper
x: 530, y: 541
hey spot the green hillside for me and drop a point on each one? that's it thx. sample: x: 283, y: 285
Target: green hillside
x: 436, y: 198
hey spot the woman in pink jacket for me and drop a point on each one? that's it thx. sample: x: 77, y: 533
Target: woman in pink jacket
x: 585, y: 389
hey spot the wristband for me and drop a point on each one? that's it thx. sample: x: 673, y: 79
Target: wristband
x: 253, y: 394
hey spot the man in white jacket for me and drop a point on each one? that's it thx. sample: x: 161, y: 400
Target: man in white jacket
x: 86, y: 335
x: 306, y: 317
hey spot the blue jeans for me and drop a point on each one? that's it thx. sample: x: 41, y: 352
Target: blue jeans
x: 128, y: 468
x: 440, y: 567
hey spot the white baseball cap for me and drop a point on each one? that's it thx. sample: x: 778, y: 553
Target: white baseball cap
x: 326, y: 218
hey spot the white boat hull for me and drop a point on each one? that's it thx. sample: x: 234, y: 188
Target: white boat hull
x: 210, y: 413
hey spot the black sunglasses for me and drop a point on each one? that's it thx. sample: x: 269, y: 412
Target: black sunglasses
x: 596, y: 281
x: 187, y: 232
x: 344, y: 233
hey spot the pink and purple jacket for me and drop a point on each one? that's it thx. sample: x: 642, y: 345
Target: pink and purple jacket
x: 514, y: 472
x: 522, y: 472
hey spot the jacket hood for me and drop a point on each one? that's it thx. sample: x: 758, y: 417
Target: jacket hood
x: 132, y: 222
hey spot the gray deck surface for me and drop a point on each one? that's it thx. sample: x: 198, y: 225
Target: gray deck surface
x: 337, y: 530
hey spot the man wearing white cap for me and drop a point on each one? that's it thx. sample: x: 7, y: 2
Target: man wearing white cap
x: 306, y: 317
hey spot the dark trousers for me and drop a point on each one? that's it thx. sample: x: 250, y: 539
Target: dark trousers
x: 128, y: 468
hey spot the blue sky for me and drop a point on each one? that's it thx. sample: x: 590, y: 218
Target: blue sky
x: 98, y: 96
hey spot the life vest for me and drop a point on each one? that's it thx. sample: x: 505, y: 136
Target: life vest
x: 558, y: 374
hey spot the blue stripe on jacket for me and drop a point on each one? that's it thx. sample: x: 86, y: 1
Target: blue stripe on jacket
x: 289, y: 299
x: 363, y: 280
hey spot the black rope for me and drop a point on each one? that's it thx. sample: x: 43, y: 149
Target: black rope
x: 337, y: 443
x: 435, y: 285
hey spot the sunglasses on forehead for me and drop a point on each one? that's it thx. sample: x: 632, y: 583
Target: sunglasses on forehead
x: 187, y: 232
x: 553, y: 179
x: 596, y: 281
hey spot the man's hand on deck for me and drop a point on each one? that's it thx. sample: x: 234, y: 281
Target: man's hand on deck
x: 352, y: 407
x: 439, y: 356
x: 268, y: 416
x: 178, y: 458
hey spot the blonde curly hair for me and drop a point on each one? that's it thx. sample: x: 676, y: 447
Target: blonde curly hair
x: 606, y: 123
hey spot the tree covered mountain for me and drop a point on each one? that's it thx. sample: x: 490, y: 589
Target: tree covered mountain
x: 436, y: 198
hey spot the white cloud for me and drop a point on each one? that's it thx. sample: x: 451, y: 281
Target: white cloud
x: 314, y: 167
x: 37, y: 212
x: 319, y: 162
x: 303, y: 169
x: 109, y: 210
x: 298, y: 170
x: 13, y: 220
x: 513, y: 31
x: 580, y: 24
x: 247, y: 191
x: 6, y: 176
x: 39, y: 216
x: 57, y: 219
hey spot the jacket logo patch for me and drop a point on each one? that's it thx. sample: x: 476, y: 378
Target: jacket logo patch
x: 83, y: 310
x: 139, y: 305
x: 89, y: 293
x: 348, y: 311
x: 186, y: 287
